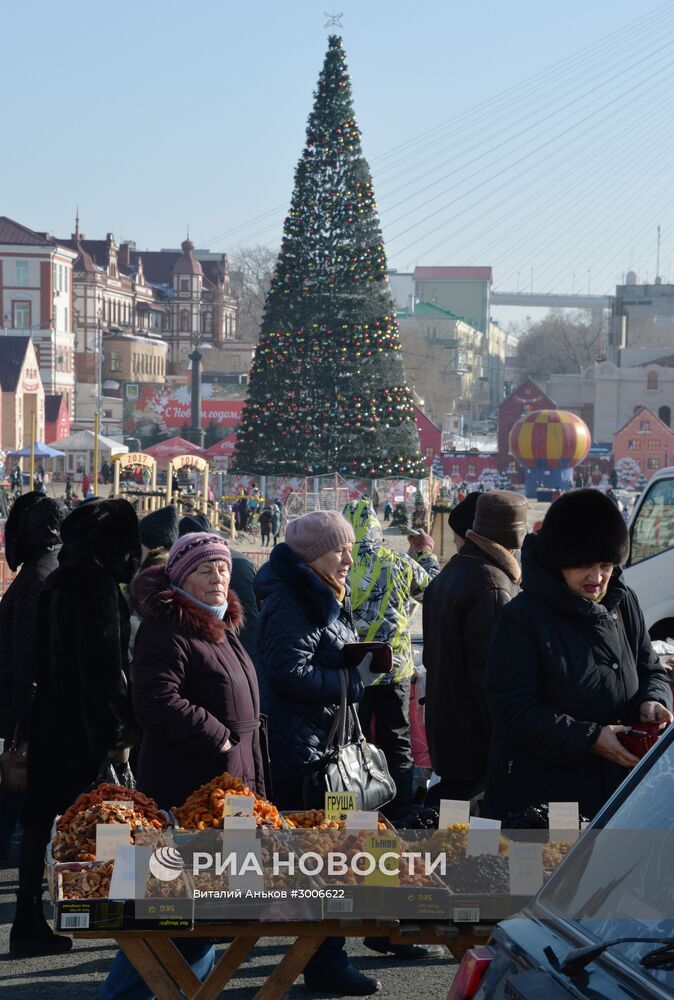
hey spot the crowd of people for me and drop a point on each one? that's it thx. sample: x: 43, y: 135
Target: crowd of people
x: 153, y: 646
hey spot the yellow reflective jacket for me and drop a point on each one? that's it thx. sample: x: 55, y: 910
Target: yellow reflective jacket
x: 383, y: 585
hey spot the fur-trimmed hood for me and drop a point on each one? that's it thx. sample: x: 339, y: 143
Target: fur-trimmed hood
x: 154, y: 597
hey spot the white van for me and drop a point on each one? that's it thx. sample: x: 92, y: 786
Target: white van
x: 650, y: 567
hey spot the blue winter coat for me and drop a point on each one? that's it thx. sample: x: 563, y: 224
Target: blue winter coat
x: 302, y: 632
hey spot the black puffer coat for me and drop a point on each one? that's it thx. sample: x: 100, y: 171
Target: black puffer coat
x: 32, y: 541
x: 302, y: 631
x: 560, y: 668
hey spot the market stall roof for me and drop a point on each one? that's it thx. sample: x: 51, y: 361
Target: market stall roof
x: 84, y: 441
x: 41, y: 451
x: 174, y: 446
x: 225, y: 446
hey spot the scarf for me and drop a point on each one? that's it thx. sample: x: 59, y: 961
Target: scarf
x: 338, y: 589
x: 499, y: 555
x: 219, y: 610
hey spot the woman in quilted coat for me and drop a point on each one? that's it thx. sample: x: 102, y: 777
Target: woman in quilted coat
x: 304, y: 624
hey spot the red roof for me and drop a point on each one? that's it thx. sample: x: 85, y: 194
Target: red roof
x: 225, y: 446
x: 15, y: 233
x: 452, y: 274
x: 174, y: 446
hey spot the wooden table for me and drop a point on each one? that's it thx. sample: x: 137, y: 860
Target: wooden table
x: 170, y: 977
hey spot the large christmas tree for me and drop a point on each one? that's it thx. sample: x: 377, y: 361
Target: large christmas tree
x: 327, y: 388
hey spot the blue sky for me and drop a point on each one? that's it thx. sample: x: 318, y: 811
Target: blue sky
x: 155, y: 115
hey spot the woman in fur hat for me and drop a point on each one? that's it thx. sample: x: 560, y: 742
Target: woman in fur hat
x: 571, y: 665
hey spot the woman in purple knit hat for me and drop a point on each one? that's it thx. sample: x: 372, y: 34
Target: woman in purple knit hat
x: 195, y: 690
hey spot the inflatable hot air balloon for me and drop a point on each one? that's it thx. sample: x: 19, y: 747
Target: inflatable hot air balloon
x: 549, y: 443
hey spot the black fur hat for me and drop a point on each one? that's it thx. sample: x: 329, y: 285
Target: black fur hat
x: 159, y: 530
x: 194, y: 522
x: 462, y: 517
x: 33, y: 526
x: 582, y: 527
x: 105, y: 532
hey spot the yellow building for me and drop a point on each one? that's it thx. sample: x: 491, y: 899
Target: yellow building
x: 22, y: 393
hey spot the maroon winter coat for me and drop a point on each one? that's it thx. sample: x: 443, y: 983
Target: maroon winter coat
x: 194, y: 687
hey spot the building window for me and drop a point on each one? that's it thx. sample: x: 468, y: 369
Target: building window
x: 184, y: 284
x: 645, y: 425
x: 470, y: 469
x: 633, y: 445
x: 456, y: 470
x: 22, y: 273
x: 653, y: 463
x: 21, y: 315
x: 654, y: 444
x: 184, y: 321
x: 115, y: 361
x: 665, y: 415
x: 652, y: 380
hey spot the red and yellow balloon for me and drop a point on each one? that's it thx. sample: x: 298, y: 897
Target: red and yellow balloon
x: 550, y: 439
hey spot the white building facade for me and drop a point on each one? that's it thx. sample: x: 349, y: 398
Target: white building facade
x: 36, y: 300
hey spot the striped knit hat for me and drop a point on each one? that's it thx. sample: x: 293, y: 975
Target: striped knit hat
x: 191, y: 551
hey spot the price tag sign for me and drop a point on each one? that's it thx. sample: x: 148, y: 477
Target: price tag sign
x: 564, y: 816
x: 338, y: 804
x: 238, y: 805
x: 453, y: 812
x: 239, y: 823
x: 483, y: 836
x: 525, y: 862
x: 248, y: 851
x: 378, y: 848
x: 357, y: 820
x: 130, y: 872
x: 110, y: 836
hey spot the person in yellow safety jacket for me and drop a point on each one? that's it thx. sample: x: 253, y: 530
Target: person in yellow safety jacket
x: 383, y: 586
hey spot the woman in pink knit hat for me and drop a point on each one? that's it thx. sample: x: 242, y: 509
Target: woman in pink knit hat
x: 305, y: 623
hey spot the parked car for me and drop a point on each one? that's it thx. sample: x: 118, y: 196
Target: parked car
x: 603, y: 925
x: 650, y: 567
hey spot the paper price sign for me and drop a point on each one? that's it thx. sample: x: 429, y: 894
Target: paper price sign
x: 564, y: 816
x: 338, y: 804
x: 483, y: 836
x: 453, y: 812
x: 525, y: 863
x: 239, y: 823
x: 110, y: 836
x: 130, y: 872
x: 378, y: 849
x: 362, y: 820
x: 238, y: 805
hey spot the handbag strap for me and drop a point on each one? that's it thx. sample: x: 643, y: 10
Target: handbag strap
x: 337, y: 734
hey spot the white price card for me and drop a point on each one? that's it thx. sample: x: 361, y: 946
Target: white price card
x: 483, y: 836
x: 525, y: 863
x: 358, y: 820
x: 238, y: 805
x: 564, y: 816
x: 247, y: 874
x: 453, y: 812
x: 239, y: 823
x: 130, y: 872
x: 110, y: 836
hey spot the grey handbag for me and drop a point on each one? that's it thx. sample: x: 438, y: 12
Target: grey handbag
x: 353, y: 766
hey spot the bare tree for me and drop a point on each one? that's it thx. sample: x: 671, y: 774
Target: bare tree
x: 560, y: 343
x: 252, y: 271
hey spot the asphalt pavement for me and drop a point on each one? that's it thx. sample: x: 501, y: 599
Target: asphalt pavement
x: 79, y: 974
